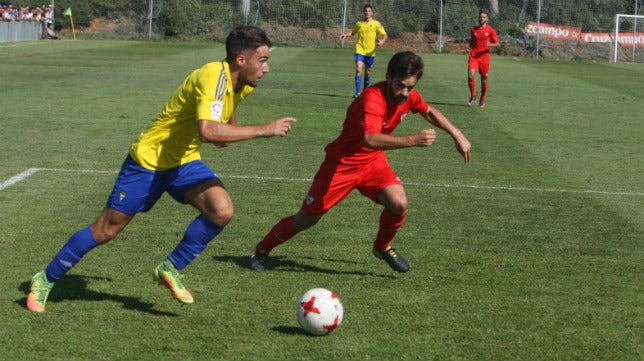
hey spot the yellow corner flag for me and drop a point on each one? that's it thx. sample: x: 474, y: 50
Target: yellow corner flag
x: 68, y: 12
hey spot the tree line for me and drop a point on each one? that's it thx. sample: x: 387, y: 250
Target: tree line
x: 197, y: 17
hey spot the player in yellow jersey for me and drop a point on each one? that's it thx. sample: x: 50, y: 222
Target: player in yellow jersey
x: 370, y: 34
x: 165, y: 158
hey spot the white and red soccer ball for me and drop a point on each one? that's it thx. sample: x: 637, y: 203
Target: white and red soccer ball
x: 319, y: 311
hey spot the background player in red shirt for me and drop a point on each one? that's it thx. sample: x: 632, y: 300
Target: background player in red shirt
x: 482, y: 38
x: 356, y: 160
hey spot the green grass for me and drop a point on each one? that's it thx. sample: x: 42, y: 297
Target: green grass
x: 533, y: 251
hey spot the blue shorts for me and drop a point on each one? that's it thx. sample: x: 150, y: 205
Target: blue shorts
x: 137, y: 189
x: 367, y: 60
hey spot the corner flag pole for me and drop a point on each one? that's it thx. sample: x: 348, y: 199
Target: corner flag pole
x: 68, y: 12
x: 344, y: 20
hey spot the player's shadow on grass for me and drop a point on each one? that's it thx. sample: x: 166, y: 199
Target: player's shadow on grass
x: 74, y: 287
x: 464, y: 104
x: 290, y: 264
x: 324, y: 94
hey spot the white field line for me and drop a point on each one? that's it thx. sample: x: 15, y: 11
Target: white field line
x: 31, y: 171
x: 435, y: 185
x: 18, y: 177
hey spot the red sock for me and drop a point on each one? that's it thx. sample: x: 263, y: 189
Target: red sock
x: 483, y: 90
x: 389, y: 226
x: 472, y: 84
x: 280, y: 233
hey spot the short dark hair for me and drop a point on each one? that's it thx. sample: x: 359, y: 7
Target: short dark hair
x: 245, y: 38
x: 405, y: 64
x: 484, y: 12
x: 367, y: 6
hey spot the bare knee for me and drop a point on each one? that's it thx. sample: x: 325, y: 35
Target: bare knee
x: 304, y: 220
x: 398, y: 206
x: 213, y: 201
x: 109, y: 224
x: 394, y: 199
x: 104, y: 232
x: 219, y: 210
x: 223, y: 215
x: 359, y: 66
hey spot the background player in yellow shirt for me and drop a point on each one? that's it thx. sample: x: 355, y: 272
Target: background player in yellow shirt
x: 166, y: 158
x: 370, y: 34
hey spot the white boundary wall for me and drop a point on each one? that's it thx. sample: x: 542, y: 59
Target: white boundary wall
x: 19, y: 31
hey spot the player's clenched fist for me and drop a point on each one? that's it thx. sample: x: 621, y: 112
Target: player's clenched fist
x: 425, y: 137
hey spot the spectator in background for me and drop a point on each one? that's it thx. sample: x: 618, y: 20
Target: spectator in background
x: 48, y: 15
x: 9, y: 13
x: 22, y: 14
x: 36, y: 14
x: 48, y: 32
x: 27, y: 13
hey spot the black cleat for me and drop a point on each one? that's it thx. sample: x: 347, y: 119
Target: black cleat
x: 393, y: 259
x: 258, y: 260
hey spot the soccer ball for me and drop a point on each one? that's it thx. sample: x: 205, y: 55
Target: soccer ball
x: 319, y: 311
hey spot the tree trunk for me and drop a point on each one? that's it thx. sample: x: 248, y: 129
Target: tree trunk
x: 494, y: 7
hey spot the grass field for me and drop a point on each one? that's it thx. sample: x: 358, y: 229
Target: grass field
x: 533, y: 251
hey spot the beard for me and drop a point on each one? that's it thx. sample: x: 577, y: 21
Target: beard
x: 400, y: 99
x: 393, y: 97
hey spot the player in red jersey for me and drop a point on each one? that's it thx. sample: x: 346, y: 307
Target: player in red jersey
x: 356, y: 160
x: 482, y: 38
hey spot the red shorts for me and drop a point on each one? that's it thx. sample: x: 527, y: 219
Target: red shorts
x: 333, y: 182
x: 480, y: 64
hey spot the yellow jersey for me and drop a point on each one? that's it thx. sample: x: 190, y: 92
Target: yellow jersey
x: 173, y: 137
x: 367, y: 32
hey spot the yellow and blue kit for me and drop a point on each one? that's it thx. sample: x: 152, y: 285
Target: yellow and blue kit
x: 173, y: 138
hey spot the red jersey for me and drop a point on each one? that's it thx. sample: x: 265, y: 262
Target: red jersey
x: 370, y: 114
x: 479, y: 39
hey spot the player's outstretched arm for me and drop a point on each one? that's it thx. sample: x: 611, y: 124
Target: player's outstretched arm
x: 346, y: 35
x: 222, y: 133
x: 231, y: 121
x: 435, y: 117
x: 380, y: 141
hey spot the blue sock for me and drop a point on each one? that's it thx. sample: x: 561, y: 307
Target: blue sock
x: 367, y: 81
x: 358, y: 83
x: 201, y: 231
x: 70, y: 254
